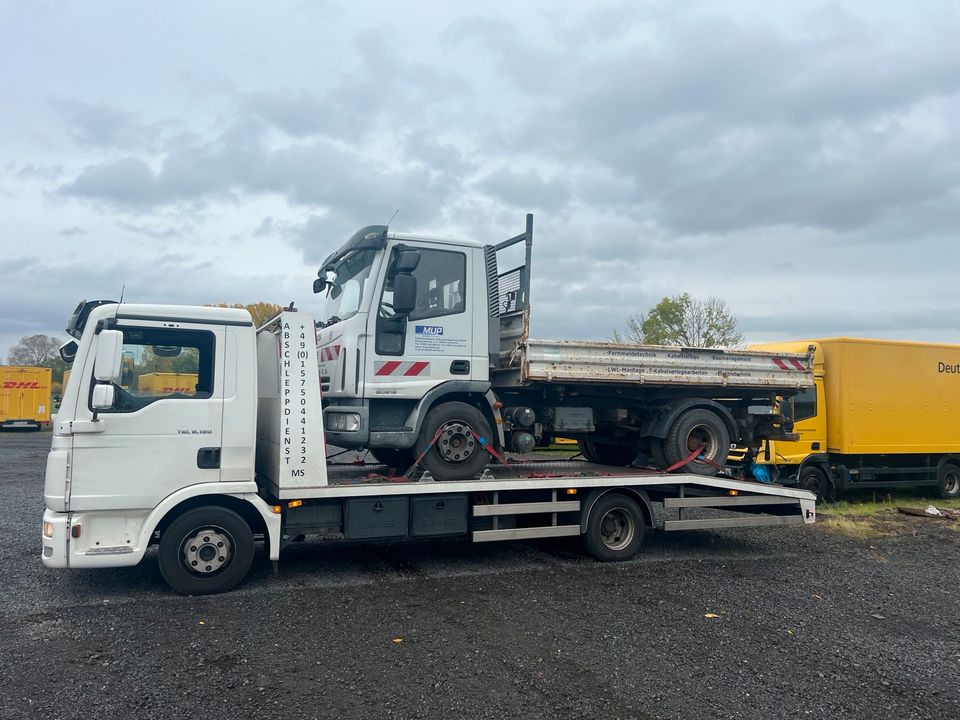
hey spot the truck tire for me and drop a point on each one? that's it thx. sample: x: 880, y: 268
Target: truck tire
x: 948, y: 481
x: 691, y: 430
x: 816, y: 481
x: 614, y: 528
x: 399, y: 460
x: 206, y: 550
x: 604, y: 454
x: 457, y: 454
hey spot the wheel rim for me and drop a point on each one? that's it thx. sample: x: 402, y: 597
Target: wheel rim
x: 456, y: 443
x: 951, y: 482
x: 617, y: 529
x: 700, y: 436
x: 207, y: 551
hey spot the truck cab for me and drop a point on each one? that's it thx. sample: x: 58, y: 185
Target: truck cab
x: 170, y: 447
x: 407, y: 320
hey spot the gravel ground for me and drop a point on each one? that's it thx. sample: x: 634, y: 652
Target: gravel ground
x: 812, y: 624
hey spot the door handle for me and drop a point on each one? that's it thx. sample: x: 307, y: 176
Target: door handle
x: 208, y: 458
x: 460, y: 367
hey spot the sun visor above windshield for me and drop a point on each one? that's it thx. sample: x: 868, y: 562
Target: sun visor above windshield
x: 371, y: 237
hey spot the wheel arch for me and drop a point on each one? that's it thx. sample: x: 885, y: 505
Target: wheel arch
x: 254, y: 510
x: 947, y: 460
x: 643, y: 500
x: 669, y: 412
x: 475, y: 393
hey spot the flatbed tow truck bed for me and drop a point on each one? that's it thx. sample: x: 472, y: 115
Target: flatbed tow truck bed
x: 561, y: 492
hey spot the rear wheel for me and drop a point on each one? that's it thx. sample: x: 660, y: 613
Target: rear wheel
x: 396, y: 458
x: 694, y: 429
x: 614, y: 528
x: 604, y: 454
x: 948, y: 481
x: 816, y: 481
x: 457, y: 452
x: 206, y: 550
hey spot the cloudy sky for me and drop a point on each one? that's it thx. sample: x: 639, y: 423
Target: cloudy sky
x: 800, y: 160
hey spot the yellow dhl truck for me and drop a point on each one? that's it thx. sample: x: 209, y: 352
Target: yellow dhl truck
x: 167, y: 383
x: 882, y: 413
x: 24, y: 396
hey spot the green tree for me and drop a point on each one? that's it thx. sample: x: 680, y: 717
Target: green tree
x: 684, y: 320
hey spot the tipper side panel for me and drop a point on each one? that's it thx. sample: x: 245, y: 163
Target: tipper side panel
x: 582, y: 361
x: 893, y: 397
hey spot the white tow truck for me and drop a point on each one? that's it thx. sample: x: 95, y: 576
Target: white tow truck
x: 240, y: 458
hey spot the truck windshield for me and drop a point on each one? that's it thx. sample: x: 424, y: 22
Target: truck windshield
x: 350, y: 280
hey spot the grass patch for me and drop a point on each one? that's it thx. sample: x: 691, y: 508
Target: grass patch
x: 869, y: 505
x: 861, y: 529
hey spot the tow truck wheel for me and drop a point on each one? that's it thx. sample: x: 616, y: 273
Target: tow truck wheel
x: 603, y: 454
x: 614, y: 528
x: 459, y: 433
x: 695, y: 429
x: 399, y: 460
x: 948, y: 481
x: 206, y: 550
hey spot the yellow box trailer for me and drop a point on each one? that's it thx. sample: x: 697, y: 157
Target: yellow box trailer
x: 24, y: 396
x: 882, y: 413
x: 167, y: 383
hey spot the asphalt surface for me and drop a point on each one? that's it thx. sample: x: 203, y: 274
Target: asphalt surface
x: 811, y: 624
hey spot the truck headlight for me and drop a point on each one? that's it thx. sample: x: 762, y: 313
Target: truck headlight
x: 47, y: 529
x: 343, y: 422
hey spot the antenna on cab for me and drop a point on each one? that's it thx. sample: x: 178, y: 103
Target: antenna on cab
x: 397, y: 212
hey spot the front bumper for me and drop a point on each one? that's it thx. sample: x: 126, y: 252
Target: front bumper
x: 55, y: 548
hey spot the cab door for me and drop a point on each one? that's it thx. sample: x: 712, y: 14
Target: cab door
x: 432, y: 343
x: 164, y: 431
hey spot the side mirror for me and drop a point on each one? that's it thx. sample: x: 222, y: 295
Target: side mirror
x: 106, y: 366
x: 68, y: 351
x: 103, y: 397
x: 404, y: 261
x: 404, y: 294
x: 319, y: 285
x: 407, y: 261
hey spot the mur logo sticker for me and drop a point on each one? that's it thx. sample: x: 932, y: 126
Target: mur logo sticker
x: 434, y: 330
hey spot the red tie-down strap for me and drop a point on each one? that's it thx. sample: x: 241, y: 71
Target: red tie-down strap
x: 693, y: 456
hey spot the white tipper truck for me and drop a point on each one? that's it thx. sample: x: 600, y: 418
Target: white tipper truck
x: 425, y: 336
x: 240, y: 458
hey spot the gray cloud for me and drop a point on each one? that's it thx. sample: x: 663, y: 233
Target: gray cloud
x: 786, y: 156
x: 100, y: 125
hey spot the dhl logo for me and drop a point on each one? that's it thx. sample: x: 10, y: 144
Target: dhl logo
x: 176, y: 389
x: 22, y: 385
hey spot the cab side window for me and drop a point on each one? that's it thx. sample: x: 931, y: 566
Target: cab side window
x: 161, y: 363
x: 441, y: 284
x: 803, y: 406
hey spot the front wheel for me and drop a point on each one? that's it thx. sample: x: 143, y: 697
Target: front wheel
x: 816, y: 481
x: 459, y: 433
x: 614, y: 528
x: 206, y: 550
x: 948, y: 481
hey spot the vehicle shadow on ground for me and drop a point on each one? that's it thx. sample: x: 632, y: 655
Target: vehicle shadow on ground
x: 332, y: 562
